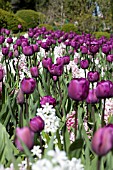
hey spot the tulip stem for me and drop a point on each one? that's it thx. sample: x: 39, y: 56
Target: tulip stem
x: 21, y: 116
x: 41, y: 144
x: 28, y: 166
x: 102, y: 116
x: 76, y: 116
x: 99, y: 163
x: 27, y: 113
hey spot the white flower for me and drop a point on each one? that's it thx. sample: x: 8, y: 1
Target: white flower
x: 47, y: 113
x: 75, y: 164
x: 36, y: 151
x: 43, y: 164
x: 57, y: 160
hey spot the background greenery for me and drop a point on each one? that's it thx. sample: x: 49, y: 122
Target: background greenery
x: 87, y: 15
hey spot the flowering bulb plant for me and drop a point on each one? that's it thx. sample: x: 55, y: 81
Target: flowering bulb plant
x: 56, y: 101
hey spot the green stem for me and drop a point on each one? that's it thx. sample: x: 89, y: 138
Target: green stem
x: 21, y: 116
x: 102, y: 116
x: 99, y: 163
x: 27, y: 112
x: 28, y: 166
x: 76, y: 116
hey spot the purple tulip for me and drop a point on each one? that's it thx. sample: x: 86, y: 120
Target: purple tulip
x: 104, y: 89
x: 60, y: 60
x: 84, y: 49
x: 93, y: 76
x: 28, y: 85
x: 78, y: 89
x: 34, y: 71
x: 5, y: 50
x: 92, y: 98
x: 30, y: 34
x: 48, y: 99
x: 56, y: 69
x: 47, y: 62
x: 1, y: 74
x: 84, y: 64
x: 26, y: 136
x: 102, y: 141
x: 105, y: 48
x: 36, y: 124
x: 44, y: 45
x: 18, y: 42
x: 28, y: 50
x: 9, y: 40
x: 66, y: 59
x: 20, y: 97
x: 19, y: 26
x: 10, y: 54
x: 94, y: 48
x: 7, y: 31
x: 2, y: 39
x: 109, y: 58
x: 35, y: 47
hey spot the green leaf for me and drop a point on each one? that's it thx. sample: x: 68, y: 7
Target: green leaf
x: 75, y: 148
x: 7, y: 149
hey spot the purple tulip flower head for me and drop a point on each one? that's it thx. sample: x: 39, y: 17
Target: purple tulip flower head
x: 105, y: 48
x: 36, y: 124
x: 28, y: 85
x: 47, y: 62
x: 66, y: 59
x: 9, y: 40
x: 56, y: 69
x: 19, y: 26
x: 28, y: 50
x: 94, y: 49
x: 26, y: 136
x: 5, y: 50
x: 84, y: 49
x: 34, y: 71
x: 48, y: 99
x: 1, y: 74
x: 109, y: 58
x: 78, y: 89
x: 104, y: 89
x: 92, y: 98
x: 2, y: 39
x: 84, y: 64
x: 20, y: 97
x: 102, y: 141
x: 93, y: 76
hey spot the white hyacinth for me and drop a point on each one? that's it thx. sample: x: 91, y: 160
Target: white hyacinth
x: 57, y: 161
x: 36, y: 151
x: 47, y: 113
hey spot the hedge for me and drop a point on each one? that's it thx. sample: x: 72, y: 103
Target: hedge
x: 31, y: 17
x: 10, y: 21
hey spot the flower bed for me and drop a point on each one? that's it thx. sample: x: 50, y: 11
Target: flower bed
x: 56, y: 97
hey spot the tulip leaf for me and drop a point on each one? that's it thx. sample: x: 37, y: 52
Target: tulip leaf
x: 75, y: 148
x: 7, y: 149
x: 41, y: 90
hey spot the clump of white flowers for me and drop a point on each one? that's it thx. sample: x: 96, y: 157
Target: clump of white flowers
x: 47, y: 113
x: 57, y: 160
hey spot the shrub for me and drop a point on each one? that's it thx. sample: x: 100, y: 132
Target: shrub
x: 100, y: 34
x: 70, y: 27
x: 32, y: 18
x: 10, y: 21
x: 47, y: 26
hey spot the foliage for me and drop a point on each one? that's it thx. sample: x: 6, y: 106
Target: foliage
x: 10, y: 21
x: 5, y: 4
x: 69, y: 27
x: 100, y: 34
x: 32, y: 18
x: 48, y: 27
